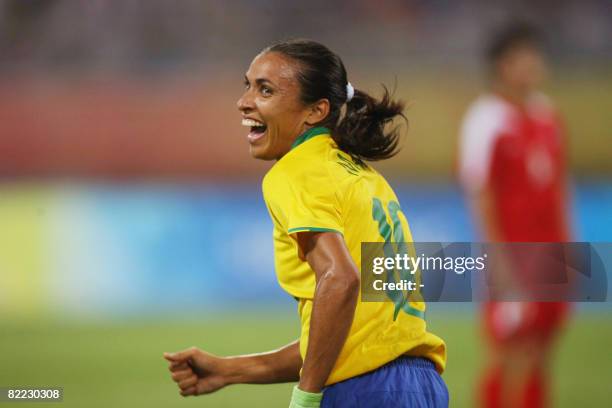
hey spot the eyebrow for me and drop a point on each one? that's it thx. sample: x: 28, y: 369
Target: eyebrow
x: 260, y: 81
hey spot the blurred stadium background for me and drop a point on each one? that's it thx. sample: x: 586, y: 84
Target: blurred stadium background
x: 131, y: 217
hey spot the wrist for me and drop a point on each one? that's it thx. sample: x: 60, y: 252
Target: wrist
x: 308, y: 387
x: 232, y: 372
x: 305, y: 399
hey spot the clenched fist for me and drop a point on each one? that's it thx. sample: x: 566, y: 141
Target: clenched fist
x: 197, y: 372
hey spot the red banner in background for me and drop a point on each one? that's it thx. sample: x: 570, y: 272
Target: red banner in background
x: 123, y: 129
x: 187, y: 127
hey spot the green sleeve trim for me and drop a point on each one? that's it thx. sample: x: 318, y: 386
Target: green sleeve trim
x: 313, y: 229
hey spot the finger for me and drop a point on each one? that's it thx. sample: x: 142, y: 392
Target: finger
x: 180, y: 355
x: 176, y: 366
x: 178, y: 376
x: 188, y: 382
x: 189, y: 391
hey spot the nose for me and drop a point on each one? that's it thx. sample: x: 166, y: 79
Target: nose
x: 245, y: 103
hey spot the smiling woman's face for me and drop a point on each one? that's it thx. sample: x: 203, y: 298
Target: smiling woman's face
x: 271, y: 106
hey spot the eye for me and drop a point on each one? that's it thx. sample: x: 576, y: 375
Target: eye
x: 265, y: 91
x: 247, y: 85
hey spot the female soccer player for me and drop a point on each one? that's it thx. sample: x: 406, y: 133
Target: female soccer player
x: 512, y: 168
x: 325, y: 201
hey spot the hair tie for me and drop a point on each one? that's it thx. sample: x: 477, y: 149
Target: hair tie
x: 350, y: 92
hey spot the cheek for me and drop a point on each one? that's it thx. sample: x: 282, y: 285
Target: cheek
x: 282, y: 117
x: 529, y: 68
x: 515, y: 73
x: 538, y: 69
x: 272, y: 112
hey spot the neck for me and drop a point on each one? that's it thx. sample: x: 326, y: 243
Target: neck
x: 515, y: 95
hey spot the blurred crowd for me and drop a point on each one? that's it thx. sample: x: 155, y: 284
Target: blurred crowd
x: 135, y: 35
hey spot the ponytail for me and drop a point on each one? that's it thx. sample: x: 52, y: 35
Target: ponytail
x: 361, y: 132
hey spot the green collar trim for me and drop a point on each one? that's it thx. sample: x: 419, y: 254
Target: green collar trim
x: 309, y: 134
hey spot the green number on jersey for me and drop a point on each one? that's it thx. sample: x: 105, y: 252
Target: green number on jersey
x: 397, y: 233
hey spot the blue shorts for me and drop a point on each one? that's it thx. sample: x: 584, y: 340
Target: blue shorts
x: 404, y: 382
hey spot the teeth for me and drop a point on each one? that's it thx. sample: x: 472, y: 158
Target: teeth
x: 251, y: 122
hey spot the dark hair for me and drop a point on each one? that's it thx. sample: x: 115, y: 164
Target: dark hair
x: 360, y: 132
x: 510, y: 36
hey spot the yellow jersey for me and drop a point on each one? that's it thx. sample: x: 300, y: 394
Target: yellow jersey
x: 317, y: 187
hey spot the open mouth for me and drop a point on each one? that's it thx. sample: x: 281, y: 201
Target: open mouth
x: 258, y: 129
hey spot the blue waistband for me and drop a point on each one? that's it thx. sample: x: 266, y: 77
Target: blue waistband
x: 419, y: 362
x: 404, y: 382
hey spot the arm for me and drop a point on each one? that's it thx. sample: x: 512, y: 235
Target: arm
x: 198, y: 372
x: 277, y: 366
x: 483, y: 211
x: 334, y: 304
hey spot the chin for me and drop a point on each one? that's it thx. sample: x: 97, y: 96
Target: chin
x: 260, y: 153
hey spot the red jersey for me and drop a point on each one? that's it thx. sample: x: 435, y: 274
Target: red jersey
x: 518, y: 153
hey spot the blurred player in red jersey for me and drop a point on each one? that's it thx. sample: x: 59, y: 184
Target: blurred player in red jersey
x: 511, y: 165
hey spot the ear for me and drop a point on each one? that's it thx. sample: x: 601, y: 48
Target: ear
x: 318, y: 112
